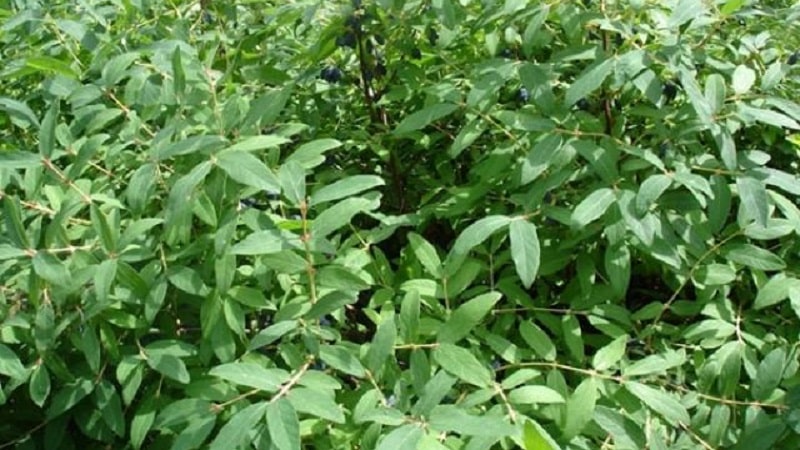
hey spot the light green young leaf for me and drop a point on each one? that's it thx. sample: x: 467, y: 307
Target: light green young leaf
x: 248, y: 170
x: 272, y: 333
x: 571, y: 329
x: 580, y: 408
x: 767, y: 116
x: 382, y: 345
x: 461, y: 363
x: 592, y: 207
x: 715, y: 92
x: 283, y: 425
x: 743, y: 79
x: 19, y: 160
x: 345, y: 188
x: 293, y: 181
x: 466, y: 317
x: 424, y: 117
x: 39, y: 387
x: 262, y: 243
x: 775, y: 291
x: 253, y: 143
x: 340, y: 215
x: 696, y: 98
x: 535, y: 394
x: 660, y: 402
x: 193, y: 144
x: 47, y: 133
x: 426, y: 254
x: 311, y: 154
x: 478, y: 232
x: 455, y: 419
x: 537, y: 438
x: 608, y: 356
x: 251, y: 375
x: 10, y: 364
x: 405, y: 437
x: 525, y: 250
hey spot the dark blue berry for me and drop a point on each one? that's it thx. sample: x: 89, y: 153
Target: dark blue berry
x: 662, y: 149
x: 507, y: 53
x: 319, y: 365
x: 380, y: 70
x: 207, y: 17
x: 433, y: 36
x: 496, y: 364
x: 583, y: 104
x: 325, y: 321
x: 391, y: 401
x: 415, y: 53
x: 331, y: 74
x: 523, y: 95
x: 352, y: 22
x: 670, y: 90
x: 346, y: 40
x: 248, y: 202
x: 379, y: 39
x: 793, y: 58
x: 618, y: 40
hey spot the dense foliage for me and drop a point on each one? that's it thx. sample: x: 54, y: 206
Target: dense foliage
x: 399, y: 224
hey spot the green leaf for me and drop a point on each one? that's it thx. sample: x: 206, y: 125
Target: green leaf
x: 538, y: 340
x: 743, y: 79
x: 466, y: 137
x: 10, y: 365
x: 769, y: 374
x: 426, y: 254
x: 424, y: 117
x: 195, y: 433
x: 571, y: 329
x: 272, y: 333
x: 478, y: 232
x: 51, y: 269
x: 254, y: 143
x: 650, y: 190
x: 461, y: 363
x: 753, y: 196
x: 525, y: 250
x: 455, y: 419
x: 775, y: 291
x: 283, y: 426
x: 731, y: 6
x: 317, y: 403
x: 382, y: 345
x: 466, y: 317
x: 608, y: 356
x: 580, y: 408
x: 102, y: 228
x: 20, y: 112
x: 405, y: 437
x: 660, y: 402
x: 235, y: 433
x: 535, y: 395
x: 142, y: 421
x: 248, y: 170
x: 715, y: 92
x: 178, y: 73
x: 342, y: 359
x: 14, y: 230
x: 537, y: 438
x: 626, y: 433
x: 69, y: 396
x: 251, y: 375
x: 39, y: 387
x: 169, y: 366
x: 767, y: 116
x: 311, y: 154
x: 434, y: 391
x: 714, y: 274
x: 588, y: 81
x: 696, y: 97
x: 262, y: 243
x: 345, y: 188
x: 293, y: 181
x: 193, y: 144
x: 592, y: 207
x: 618, y: 267
x: 340, y: 215
x: 51, y: 66
x: 19, y: 160
x: 752, y: 256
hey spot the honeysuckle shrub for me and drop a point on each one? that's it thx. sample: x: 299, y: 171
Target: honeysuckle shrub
x: 390, y: 224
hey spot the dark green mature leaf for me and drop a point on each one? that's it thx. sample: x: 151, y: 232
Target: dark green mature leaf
x: 234, y: 433
x: 19, y: 111
x: 283, y: 426
x: 293, y: 182
x: 47, y: 132
x: 317, y: 403
x: 459, y: 362
x: 424, y: 117
x: 263, y: 243
x: 169, y: 366
x: 10, y: 365
x: 535, y: 395
x: 39, y: 387
x: 454, y: 419
x: 340, y: 358
x: 69, y: 396
x: 525, y: 250
x: 611, y: 354
x: 769, y: 375
x: 580, y: 407
x: 588, y: 81
x: 406, y: 436
x: 251, y: 375
x: 753, y: 196
x: 466, y: 317
x: 426, y: 254
x: 660, y: 402
x: 345, y: 188
x: 311, y: 154
x: 340, y: 215
x: 194, y: 144
x: 752, y: 256
x: 382, y: 345
x: 19, y: 160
